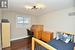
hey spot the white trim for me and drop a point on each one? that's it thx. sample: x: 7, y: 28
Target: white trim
x: 18, y: 38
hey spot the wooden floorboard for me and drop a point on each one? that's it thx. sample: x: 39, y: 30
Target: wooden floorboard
x: 22, y: 44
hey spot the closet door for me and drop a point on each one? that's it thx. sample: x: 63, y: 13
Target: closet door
x: 5, y: 35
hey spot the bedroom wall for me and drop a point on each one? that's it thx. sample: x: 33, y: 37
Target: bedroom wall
x: 58, y: 21
x: 0, y: 28
x: 0, y: 15
x: 17, y: 32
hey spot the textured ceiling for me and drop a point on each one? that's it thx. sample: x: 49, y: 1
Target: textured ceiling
x: 51, y: 5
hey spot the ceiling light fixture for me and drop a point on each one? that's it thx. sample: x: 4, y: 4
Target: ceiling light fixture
x: 37, y: 6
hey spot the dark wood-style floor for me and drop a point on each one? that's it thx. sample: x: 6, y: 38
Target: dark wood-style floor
x: 22, y: 44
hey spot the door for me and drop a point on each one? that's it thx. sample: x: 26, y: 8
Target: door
x: 5, y: 35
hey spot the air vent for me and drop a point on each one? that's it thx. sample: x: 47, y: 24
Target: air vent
x: 72, y: 14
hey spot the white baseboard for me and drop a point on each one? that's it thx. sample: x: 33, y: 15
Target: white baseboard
x: 18, y: 38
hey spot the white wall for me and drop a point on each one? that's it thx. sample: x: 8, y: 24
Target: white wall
x: 0, y: 15
x: 58, y: 21
x: 0, y: 28
x: 16, y: 32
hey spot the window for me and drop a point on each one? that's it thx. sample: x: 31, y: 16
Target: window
x: 22, y: 21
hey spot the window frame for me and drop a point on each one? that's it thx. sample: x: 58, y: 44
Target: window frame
x: 23, y: 24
